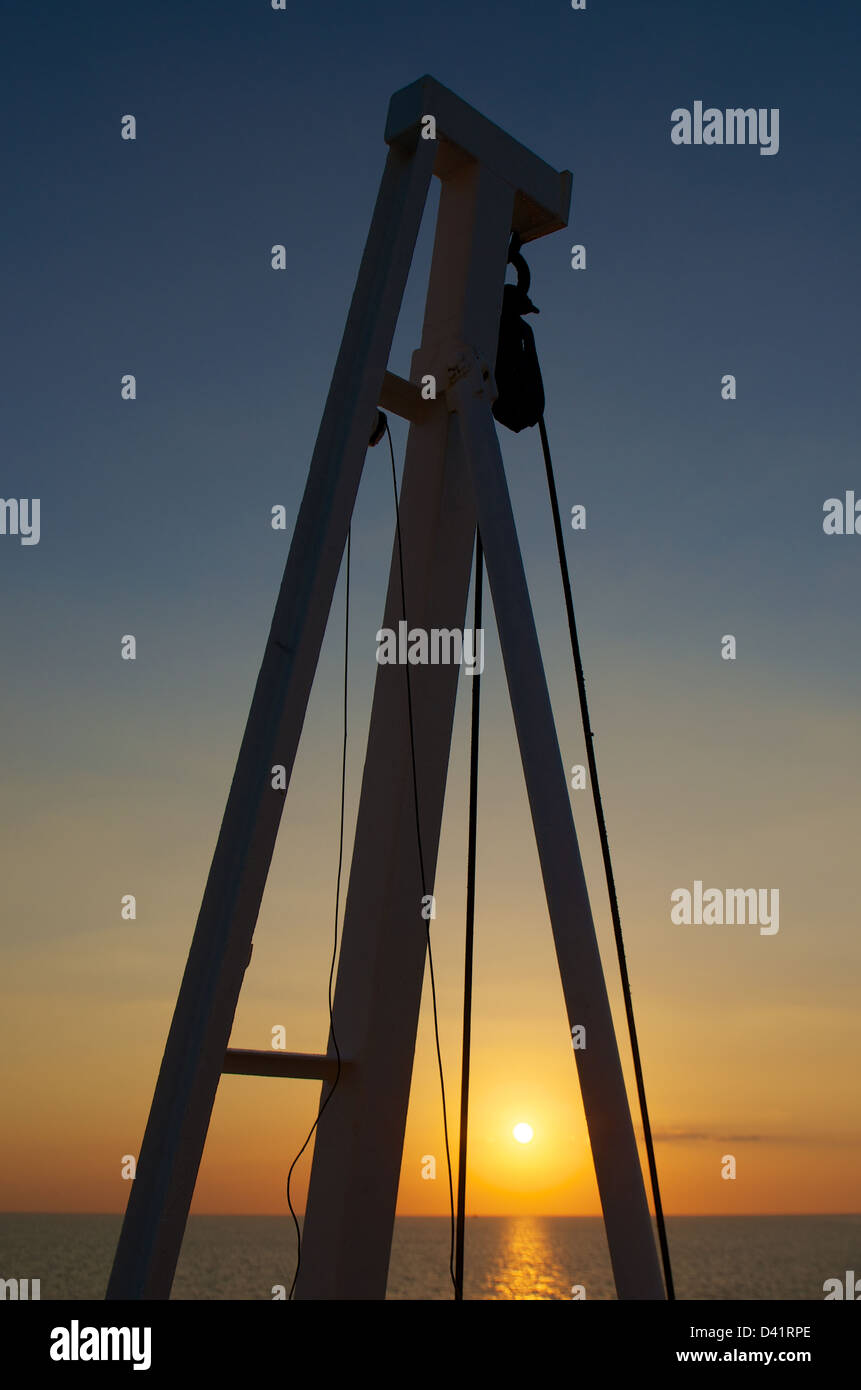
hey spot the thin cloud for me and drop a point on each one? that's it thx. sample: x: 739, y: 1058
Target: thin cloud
x: 690, y: 1136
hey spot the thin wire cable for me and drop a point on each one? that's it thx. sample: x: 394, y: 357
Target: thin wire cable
x: 337, y: 911
x: 422, y: 867
x: 468, y: 953
x: 608, y: 864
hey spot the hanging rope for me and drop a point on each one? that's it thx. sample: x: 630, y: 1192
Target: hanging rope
x: 518, y: 406
x: 422, y: 863
x: 470, y: 923
x: 608, y: 863
x: 337, y: 907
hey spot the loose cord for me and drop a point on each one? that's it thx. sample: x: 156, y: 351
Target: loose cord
x: 470, y: 924
x: 335, y: 942
x: 608, y: 865
x: 422, y: 866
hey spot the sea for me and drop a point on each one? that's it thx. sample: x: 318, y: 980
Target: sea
x: 506, y: 1257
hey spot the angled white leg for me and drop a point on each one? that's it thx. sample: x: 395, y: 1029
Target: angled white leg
x: 617, y: 1166
x: 173, y: 1143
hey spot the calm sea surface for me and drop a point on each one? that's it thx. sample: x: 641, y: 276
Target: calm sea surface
x: 516, y: 1257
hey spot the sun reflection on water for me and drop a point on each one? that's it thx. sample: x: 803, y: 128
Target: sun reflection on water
x: 527, y: 1264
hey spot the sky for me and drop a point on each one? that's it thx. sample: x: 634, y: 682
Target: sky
x: 704, y: 518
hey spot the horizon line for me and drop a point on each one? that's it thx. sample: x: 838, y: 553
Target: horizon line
x: 470, y: 1216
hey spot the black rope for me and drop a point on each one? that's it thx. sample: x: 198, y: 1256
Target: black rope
x: 608, y: 865
x: 470, y: 923
x: 422, y: 868
x: 335, y: 942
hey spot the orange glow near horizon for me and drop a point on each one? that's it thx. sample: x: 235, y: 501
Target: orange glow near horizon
x: 743, y: 1037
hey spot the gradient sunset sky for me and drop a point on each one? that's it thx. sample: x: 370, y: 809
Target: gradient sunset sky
x: 704, y: 518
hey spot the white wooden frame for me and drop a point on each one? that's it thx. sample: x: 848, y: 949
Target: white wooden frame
x: 453, y: 473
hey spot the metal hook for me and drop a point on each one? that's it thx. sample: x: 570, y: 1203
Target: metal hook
x: 524, y: 278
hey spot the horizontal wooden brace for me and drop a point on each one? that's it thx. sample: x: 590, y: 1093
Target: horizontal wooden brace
x: 402, y: 398
x: 308, y: 1066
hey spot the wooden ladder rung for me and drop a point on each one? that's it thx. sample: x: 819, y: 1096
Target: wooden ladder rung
x: 310, y: 1066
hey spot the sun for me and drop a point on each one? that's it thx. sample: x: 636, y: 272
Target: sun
x: 523, y: 1133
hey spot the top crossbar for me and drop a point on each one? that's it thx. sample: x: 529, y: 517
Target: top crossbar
x: 543, y: 194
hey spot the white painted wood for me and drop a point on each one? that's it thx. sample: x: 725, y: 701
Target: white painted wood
x: 403, y: 398
x: 542, y: 194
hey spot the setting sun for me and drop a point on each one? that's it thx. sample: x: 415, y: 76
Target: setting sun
x: 523, y: 1133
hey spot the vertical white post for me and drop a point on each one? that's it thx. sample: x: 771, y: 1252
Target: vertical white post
x: 359, y: 1144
